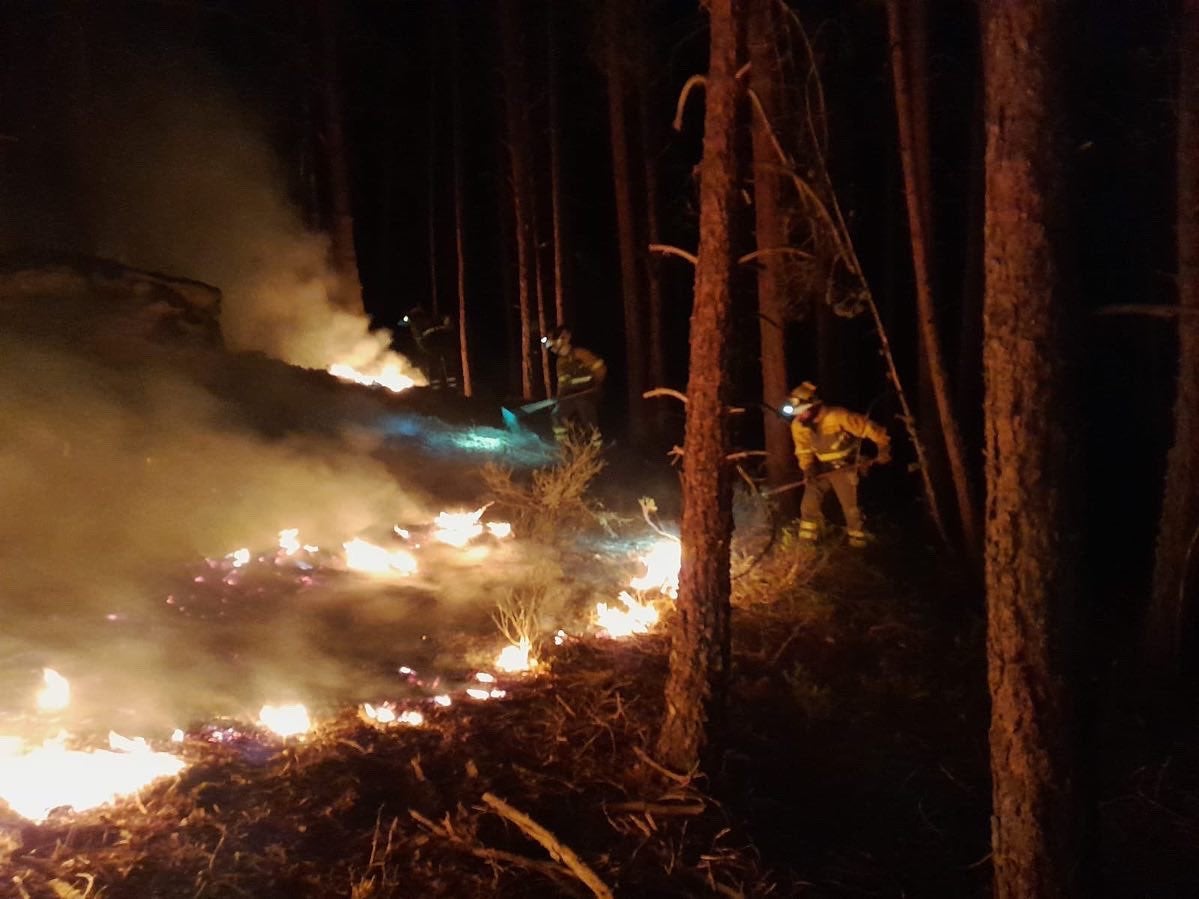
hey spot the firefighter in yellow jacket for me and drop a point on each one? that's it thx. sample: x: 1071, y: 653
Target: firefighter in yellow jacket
x: 581, y: 376
x: 828, y: 444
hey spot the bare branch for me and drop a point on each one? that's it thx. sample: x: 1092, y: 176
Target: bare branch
x: 668, y: 250
x: 677, y: 124
x: 775, y: 251
x: 1150, y: 310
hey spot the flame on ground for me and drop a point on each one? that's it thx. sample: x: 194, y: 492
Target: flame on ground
x: 385, y: 713
x: 516, y: 657
x: 661, y: 568
x: 389, y: 373
x: 635, y: 618
x: 35, y: 781
x: 55, y: 694
x: 289, y: 720
x: 458, y: 528
x: 372, y: 559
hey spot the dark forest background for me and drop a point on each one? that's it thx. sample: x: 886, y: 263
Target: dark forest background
x: 72, y: 73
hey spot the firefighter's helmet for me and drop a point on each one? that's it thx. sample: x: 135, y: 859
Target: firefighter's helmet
x: 557, y: 339
x: 801, y: 399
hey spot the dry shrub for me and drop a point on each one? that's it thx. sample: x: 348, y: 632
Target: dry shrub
x: 554, y: 502
x: 776, y: 572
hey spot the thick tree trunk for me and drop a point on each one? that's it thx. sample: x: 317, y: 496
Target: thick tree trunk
x: 626, y: 225
x: 555, y: 168
x: 1178, y: 531
x: 906, y: 23
x: 517, y: 109
x: 699, y: 653
x: 348, y: 294
x: 1031, y: 559
x: 459, y: 190
x: 770, y: 227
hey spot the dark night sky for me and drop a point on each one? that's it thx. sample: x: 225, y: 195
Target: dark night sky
x: 80, y: 78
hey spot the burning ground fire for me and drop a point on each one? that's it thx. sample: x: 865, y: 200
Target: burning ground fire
x: 56, y: 772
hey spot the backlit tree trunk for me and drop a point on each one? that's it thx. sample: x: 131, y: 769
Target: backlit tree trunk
x: 908, y: 39
x: 459, y: 188
x: 348, y: 294
x: 699, y: 653
x: 1031, y: 560
x: 1178, y: 532
x: 516, y: 103
x: 649, y: 146
x: 555, y: 167
x: 770, y: 226
x: 626, y: 226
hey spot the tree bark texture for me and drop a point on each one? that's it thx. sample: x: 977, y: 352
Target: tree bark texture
x: 699, y: 653
x: 516, y: 106
x: 348, y: 294
x: 626, y: 224
x: 459, y: 189
x: 908, y: 46
x: 770, y: 228
x: 1031, y: 561
x: 1178, y: 533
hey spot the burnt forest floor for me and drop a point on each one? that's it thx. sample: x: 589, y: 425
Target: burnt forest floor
x: 855, y: 765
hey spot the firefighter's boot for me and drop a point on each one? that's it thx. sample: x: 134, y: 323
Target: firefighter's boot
x: 809, y: 530
x: 856, y: 538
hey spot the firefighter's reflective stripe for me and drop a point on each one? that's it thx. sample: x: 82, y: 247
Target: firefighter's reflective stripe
x: 856, y: 538
x: 809, y: 530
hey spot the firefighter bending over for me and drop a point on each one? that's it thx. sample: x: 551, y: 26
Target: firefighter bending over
x: 581, y: 376
x: 828, y: 444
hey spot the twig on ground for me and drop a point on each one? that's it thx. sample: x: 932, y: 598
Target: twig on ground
x: 556, y: 849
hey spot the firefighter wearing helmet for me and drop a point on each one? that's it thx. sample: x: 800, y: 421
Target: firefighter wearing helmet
x: 828, y: 444
x: 581, y: 376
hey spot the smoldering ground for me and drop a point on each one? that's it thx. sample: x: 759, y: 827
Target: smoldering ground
x: 126, y: 461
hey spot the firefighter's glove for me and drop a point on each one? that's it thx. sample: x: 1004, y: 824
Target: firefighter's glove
x: 884, y: 455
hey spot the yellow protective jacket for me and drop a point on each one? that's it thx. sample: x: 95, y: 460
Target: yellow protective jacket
x: 578, y: 370
x: 835, y: 437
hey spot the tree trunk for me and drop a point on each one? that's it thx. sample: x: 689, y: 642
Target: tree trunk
x: 348, y: 292
x: 1031, y: 561
x: 907, y: 30
x: 699, y: 653
x: 431, y: 177
x: 770, y: 227
x: 517, y: 110
x: 1178, y: 531
x: 626, y: 225
x: 555, y: 167
x: 649, y: 145
x: 539, y: 295
x: 459, y: 189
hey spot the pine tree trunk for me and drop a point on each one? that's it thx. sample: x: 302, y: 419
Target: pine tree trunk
x: 649, y: 145
x: 906, y: 23
x: 1178, y: 532
x: 348, y: 293
x: 699, y: 653
x: 626, y: 226
x: 431, y: 179
x: 555, y: 168
x: 770, y: 226
x: 1032, y: 575
x: 517, y: 109
x: 459, y: 190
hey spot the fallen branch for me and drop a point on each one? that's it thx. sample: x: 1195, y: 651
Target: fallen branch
x: 556, y: 849
x: 684, y: 779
